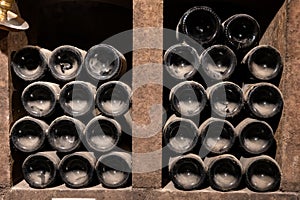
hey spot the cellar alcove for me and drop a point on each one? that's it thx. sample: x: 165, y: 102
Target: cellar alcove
x: 81, y: 24
x: 173, y: 10
x: 279, y: 23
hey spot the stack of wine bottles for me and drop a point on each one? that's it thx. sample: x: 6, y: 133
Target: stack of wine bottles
x: 74, y: 121
x: 224, y: 104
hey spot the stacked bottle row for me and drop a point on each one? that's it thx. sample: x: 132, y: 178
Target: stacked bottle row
x: 78, y: 111
x: 76, y: 98
x: 223, y: 104
x: 77, y: 170
x: 226, y: 99
x: 218, y: 136
x: 225, y: 172
x: 66, y: 134
x: 218, y: 63
x: 100, y: 63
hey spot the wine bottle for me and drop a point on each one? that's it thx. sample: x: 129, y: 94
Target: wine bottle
x: 28, y: 134
x: 102, y: 134
x: 188, y: 99
x: 65, y: 62
x: 218, y: 62
x: 114, y: 169
x: 217, y: 135
x: 30, y: 63
x: 262, y: 173
x: 225, y: 172
x: 264, y: 100
x: 181, y: 61
x: 199, y: 24
x: 255, y: 136
x: 226, y: 99
x: 103, y: 62
x: 264, y: 62
x: 187, y: 172
x: 241, y: 32
x: 39, y: 98
x: 113, y: 98
x: 180, y: 135
x: 77, y: 98
x: 40, y: 170
x: 77, y: 169
x: 64, y: 134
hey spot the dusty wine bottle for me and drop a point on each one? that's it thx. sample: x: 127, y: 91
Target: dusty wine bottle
x: 64, y: 134
x: 187, y: 172
x: 188, y: 98
x: 39, y: 98
x: 77, y: 98
x: 65, y: 62
x: 40, y: 170
x: 217, y: 135
x: 77, y: 169
x: 181, y: 61
x: 262, y: 173
x: 102, y: 134
x: 264, y: 62
x: 226, y: 99
x: 103, y: 62
x: 218, y: 62
x: 114, y: 169
x: 180, y: 135
x: 241, y: 31
x: 225, y: 172
x: 264, y: 100
x: 199, y: 24
x: 28, y: 134
x: 255, y: 136
x: 113, y: 98
x: 30, y: 63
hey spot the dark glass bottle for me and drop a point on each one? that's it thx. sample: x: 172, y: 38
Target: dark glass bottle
x: 199, y: 24
x: 114, y: 169
x: 39, y: 98
x: 226, y: 99
x: 40, y: 170
x: 188, y: 99
x: 65, y: 62
x: 264, y: 100
x: 255, y: 136
x: 217, y: 135
x: 181, y: 61
x: 64, y: 134
x: 77, y: 169
x: 30, y: 63
x: 187, y: 172
x: 218, y: 62
x: 102, y: 134
x: 241, y: 31
x: 180, y: 135
x: 103, y: 62
x: 28, y: 134
x: 264, y: 62
x: 113, y: 98
x: 262, y: 173
x: 225, y: 172
x: 77, y: 98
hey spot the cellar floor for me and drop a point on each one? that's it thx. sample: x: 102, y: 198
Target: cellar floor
x: 23, y: 191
